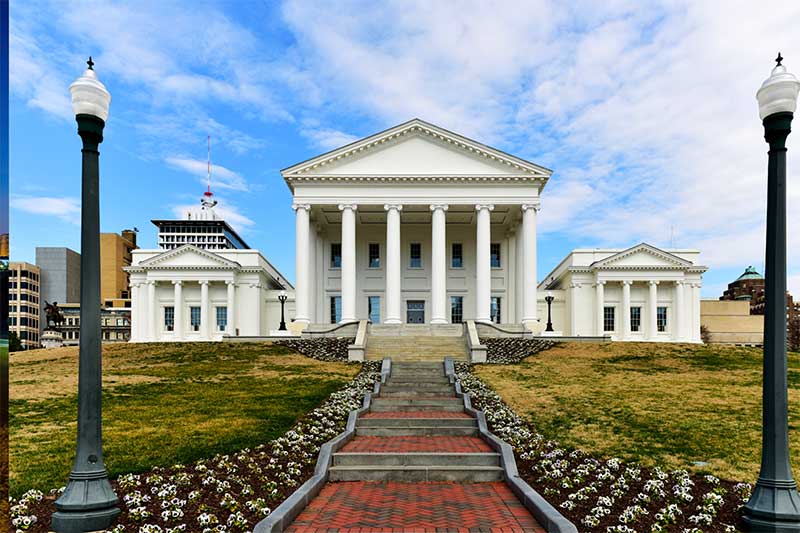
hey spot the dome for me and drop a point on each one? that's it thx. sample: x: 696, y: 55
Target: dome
x: 750, y: 273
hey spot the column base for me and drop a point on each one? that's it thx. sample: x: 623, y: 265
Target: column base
x: 393, y: 321
x: 439, y: 321
x: 87, y: 504
x: 533, y: 325
x: 773, y: 508
x: 344, y: 320
x: 303, y: 321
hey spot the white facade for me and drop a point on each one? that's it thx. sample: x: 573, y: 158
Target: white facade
x: 380, y: 222
x: 639, y: 294
x: 190, y: 294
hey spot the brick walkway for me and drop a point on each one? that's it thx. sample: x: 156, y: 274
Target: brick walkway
x: 362, y: 506
x: 416, y: 445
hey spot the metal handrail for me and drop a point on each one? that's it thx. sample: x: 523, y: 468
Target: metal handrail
x: 336, y: 328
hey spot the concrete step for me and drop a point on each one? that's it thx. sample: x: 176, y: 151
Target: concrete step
x: 409, y: 380
x: 379, y: 404
x: 420, y: 430
x: 416, y: 459
x: 412, y: 422
x: 419, y: 387
x: 405, y: 392
x: 417, y: 473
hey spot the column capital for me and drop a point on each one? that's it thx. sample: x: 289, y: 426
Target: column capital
x: 230, y: 282
x: 679, y: 282
x: 443, y: 207
x: 575, y: 285
x: 653, y: 282
x: 255, y: 285
x: 298, y: 205
x: 203, y: 282
x: 599, y: 283
x: 481, y: 207
x: 389, y: 207
x: 535, y: 207
x: 352, y: 207
x: 177, y: 282
x: 626, y: 282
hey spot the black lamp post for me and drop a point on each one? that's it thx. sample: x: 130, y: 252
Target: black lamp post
x: 282, y: 299
x: 88, y: 502
x: 775, y: 503
x: 549, y: 299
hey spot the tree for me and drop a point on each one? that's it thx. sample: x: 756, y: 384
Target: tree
x: 14, y: 344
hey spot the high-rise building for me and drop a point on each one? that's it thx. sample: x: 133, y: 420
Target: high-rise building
x: 201, y: 227
x: 115, y: 254
x: 61, y: 274
x: 24, y: 313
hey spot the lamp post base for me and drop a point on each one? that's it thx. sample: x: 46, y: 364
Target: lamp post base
x: 87, y: 504
x: 773, y: 508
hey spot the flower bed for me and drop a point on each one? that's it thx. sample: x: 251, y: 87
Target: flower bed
x: 225, y: 493
x: 321, y: 348
x: 609, y: 495
x: 512, y: 350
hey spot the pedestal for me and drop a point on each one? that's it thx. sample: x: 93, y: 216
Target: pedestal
x: 52, y: 339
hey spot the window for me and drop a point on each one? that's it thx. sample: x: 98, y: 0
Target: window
x: 374, y: 309
x: 169, y: 318
x: 636, y: 318
x: 495, y: 310
x: 336, y: 255
x: 494, y: 251
x: 336, y: 309
x: 661, y: 318
x: 457, y: 255
x: 222, y: 318
x: 456, y: 309
x: 194, y: 313
x: 120, y: 322
x: 608, y: 318
x: 374, y: 255
x: 416, y: 255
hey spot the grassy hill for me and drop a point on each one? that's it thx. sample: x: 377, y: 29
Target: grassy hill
x: 678, y: 406
x: 162, y: 404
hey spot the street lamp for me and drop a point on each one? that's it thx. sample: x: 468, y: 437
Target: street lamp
x: 282, y: 299
x: 775, y: 503
x: 549, y: 299
x: 88, y: 502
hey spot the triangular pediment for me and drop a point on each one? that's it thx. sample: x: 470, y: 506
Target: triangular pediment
x: 188, y: 256
x: 642, y: 255
x: 416, y: 148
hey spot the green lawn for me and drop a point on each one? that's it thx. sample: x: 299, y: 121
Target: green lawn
x: 660, y: 404
x: 162, y: 404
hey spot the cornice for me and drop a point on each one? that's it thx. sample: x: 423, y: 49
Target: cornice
x: 429, y: 178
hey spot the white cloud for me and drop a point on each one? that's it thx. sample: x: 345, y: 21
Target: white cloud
x: 328, y: 138
x: 67, y: 209
x: 221, y: 177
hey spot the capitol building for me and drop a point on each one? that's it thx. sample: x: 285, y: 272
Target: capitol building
x: 412, y: 225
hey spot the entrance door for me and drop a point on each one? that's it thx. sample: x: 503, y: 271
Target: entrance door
x: 415, y: 311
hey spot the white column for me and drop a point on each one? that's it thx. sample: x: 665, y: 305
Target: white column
x: 573, y: 308
x: 652, y: 305
x: 301, y: 292
x: 695, y: 333
x: 348, y: 262
x: 231, y: 308
x: 439, y: 264
x: 204, y: 311
x: 312, y: 274
x: 177, y: 304
x: 626, y: 309
x: 135, y: 305
x: 529, y: 280
x: 483, y: 270
x: 393, y: 280
x: 258, y: 329
x: 599, y: 299
x: 152, y: 312
x: 518, y: 279
x: 678, y: 313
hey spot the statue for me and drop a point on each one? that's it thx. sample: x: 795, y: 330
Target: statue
x: 54, y: 315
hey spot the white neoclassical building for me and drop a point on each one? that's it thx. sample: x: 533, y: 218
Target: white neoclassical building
x: 416, y: 224
x: 642, y: 293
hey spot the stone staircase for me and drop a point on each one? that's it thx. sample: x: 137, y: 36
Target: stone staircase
x: 416, y: 342
x: 417, y: 431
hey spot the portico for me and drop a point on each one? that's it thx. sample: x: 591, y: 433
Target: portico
x: 416, y: 223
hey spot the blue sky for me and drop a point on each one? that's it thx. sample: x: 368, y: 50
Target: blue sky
x: 646, y: 113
